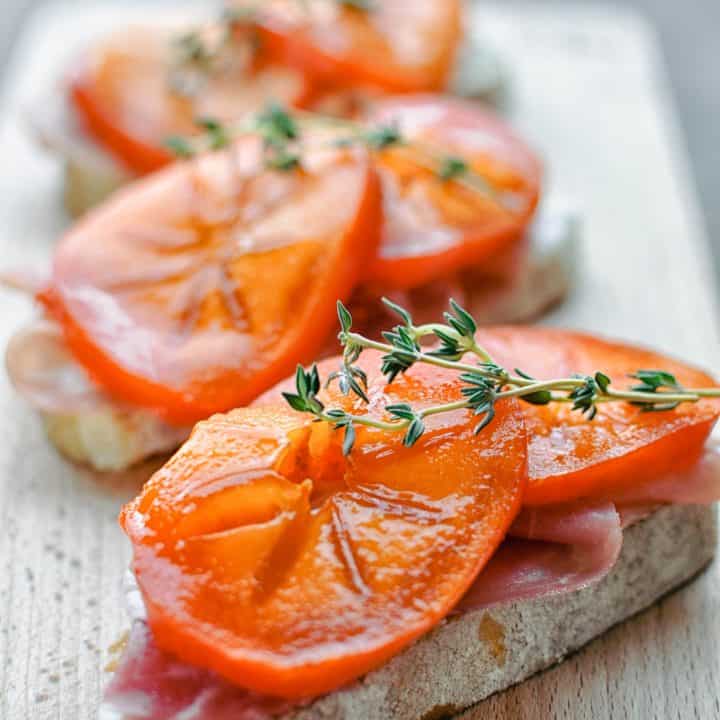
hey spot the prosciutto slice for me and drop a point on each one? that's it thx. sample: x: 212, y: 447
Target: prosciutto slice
x: 44, y: 372
x: 567, y: 547
x: 550, y: 550
x: 151, y: 685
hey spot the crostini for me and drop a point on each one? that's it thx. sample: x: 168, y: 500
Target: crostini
x: 430, y: 527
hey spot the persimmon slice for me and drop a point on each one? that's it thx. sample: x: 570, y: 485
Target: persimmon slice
x: 434, y: 227
x: 133, y: 91
x: 571, y: 457
x: 196, y: 289
x: 394, y: 45
x: 266, y: 555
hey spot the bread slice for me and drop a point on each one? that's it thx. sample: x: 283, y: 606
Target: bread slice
x: 469, y: 657
x: 111, y: 439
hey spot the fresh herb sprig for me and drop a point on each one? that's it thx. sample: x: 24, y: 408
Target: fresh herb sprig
x: 447, y: 167
x: 275, y: 126
x: 281, y: 129
x: 484, y: 382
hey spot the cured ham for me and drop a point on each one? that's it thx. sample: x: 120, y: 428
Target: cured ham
x: 151, y: 685
x: 44, y: 372
x: 551, y: 550
x: 567, y: 547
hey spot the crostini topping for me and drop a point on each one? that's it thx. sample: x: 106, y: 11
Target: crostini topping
x: 199, y: 289
x: 459, y: 188
x: 641, y: 417
x: 268, y: 556
x: 392, y: 45
x: 144, y: 85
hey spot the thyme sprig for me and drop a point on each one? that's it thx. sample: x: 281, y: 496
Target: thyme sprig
x: 281, y: 130
x: 484, y: 382
x: 278, y: 130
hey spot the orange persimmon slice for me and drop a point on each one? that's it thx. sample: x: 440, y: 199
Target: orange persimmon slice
x: 198, y: 288
x: 266, y: 555
x: 133, y: 92
x: 435, y: 226
x: 571, y: 457
x: 394, y: 45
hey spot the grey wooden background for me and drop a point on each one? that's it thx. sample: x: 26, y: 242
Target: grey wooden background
x: 689, y: 31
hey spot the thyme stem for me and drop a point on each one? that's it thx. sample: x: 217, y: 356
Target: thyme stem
x: 483, y: 384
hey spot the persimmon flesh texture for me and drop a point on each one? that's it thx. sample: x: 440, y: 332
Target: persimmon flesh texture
x: 434, y: 227
x: 196, y: 289
x: 571, y: 457
x: 266, y: 555
x: 128, y: 91
x: 394, y: 45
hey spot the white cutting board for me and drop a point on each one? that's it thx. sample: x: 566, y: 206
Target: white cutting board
x: 590, y: 91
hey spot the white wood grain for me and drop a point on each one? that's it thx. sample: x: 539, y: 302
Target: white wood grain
x: 590, y: 91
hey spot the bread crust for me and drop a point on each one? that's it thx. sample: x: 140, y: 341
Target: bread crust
x: 470, y: 657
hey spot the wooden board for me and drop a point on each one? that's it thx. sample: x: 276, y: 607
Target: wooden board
x: 590, y: 91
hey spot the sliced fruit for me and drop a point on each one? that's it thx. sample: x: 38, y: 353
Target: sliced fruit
x: 266, y: 555
x: 438, y: 218
x: 145, y: 85
x: 394, y: 45
x: 572, y: 457
x: 198, y: 288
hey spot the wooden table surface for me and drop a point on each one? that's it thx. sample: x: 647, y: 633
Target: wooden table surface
x: 589, y: 90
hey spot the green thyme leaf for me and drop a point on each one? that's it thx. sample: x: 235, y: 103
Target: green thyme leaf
x: 460, y: 320
x: 277, y: 125
x: 603, y: 381
x: 383, y: 137
x: 314, y: 380
x: 452, y: 167
x: 400, y: 311
x: 180, y: 147
x: 296, y: 402
x: 344, y: 317
x: 414, y: 432
x: 282, y: 161
x: 301, y: 381
x: 541, y: 397
x: 401, y: 411
x: 449, y: 348
x: 654, y: 380
x: 350, y: 379
x: 337, y: 415
x: 218, y: 136
x: 349, y: 440
x: 487, y: 419
x: 584, y: 397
